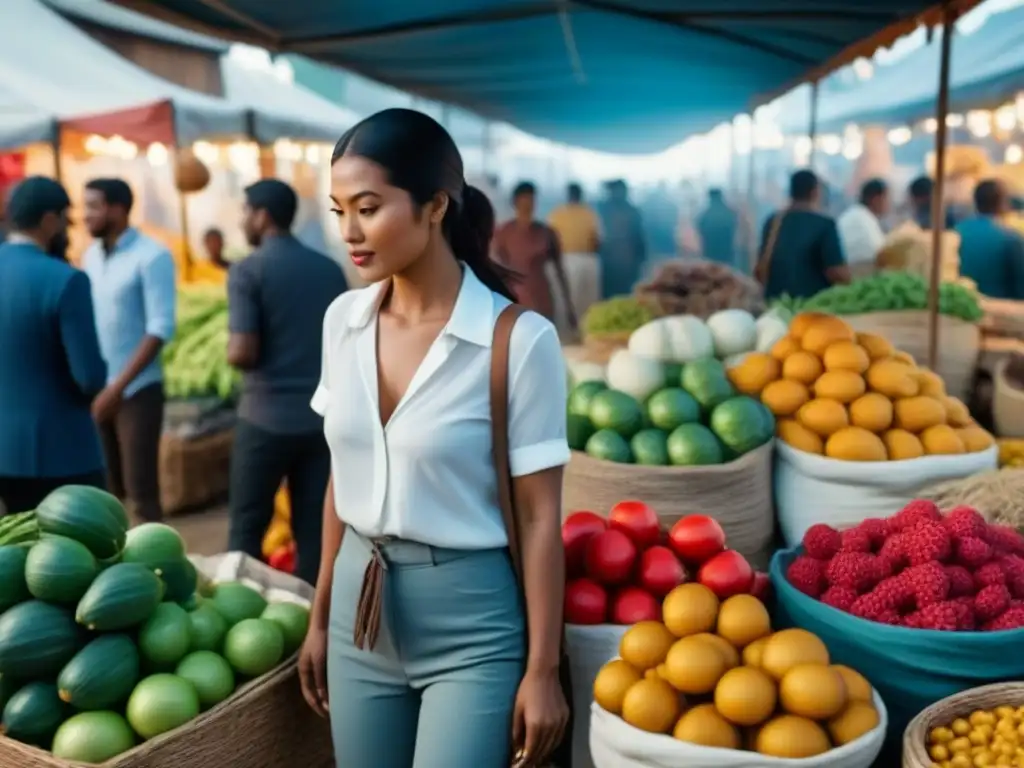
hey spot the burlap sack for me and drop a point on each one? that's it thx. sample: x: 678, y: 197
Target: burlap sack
x: 194, y: 473
x: 959, y: 343
x: 738, y: 495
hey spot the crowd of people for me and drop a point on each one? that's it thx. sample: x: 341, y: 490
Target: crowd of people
x: 803, y: 250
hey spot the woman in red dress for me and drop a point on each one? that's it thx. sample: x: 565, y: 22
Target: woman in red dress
x: 526, y: 246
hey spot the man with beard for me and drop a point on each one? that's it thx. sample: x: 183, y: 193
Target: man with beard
x: 277, y: 299
x: 50, y: 362
x: 133, y: 290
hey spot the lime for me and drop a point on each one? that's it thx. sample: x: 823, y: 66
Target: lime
x: 742, y: 424
x: 293, y: 619
x: 694, y: 445
x: 582, y: 394
x: 210, y: 673
x: 650, y: 447
x: 608, y: 445
x: 611, y: 409
x: 707, y: 382
x: 668, y: 408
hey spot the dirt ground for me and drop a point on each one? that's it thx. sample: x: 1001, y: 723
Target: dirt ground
x: 205, y: 532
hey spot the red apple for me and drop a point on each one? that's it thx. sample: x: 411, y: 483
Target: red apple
x: 761, y: 586
x: 611, y: 556
x: 636, y: 520
x: 577, y: 530
x: 660, y: 571
x: 586, y: 602
x: 632, y: 604
x: 726, y: 574
x: 696, y: 538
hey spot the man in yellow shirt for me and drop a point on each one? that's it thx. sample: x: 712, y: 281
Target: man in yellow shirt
x: 579, y: 233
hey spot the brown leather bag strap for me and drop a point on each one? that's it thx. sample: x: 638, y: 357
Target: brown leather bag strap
x: 500, y: 351
x: 764, y: 261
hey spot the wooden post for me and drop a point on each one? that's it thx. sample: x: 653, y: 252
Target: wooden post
x: 812, y: 128
x: 938, y: 198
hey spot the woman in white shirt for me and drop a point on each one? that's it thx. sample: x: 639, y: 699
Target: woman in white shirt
x: 441, y: 673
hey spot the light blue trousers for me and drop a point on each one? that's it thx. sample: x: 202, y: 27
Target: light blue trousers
x: 439, y: 688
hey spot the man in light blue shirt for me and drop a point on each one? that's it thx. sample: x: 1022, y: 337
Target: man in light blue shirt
x: 992, y: 254
x: 133, y: 289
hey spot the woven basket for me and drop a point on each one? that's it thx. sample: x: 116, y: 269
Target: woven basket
x: 959, y: 343
x: 266, y: 723
x: 915, y: 738
x: 599, y: 349
x: 1007, y: 404
x: 194, y: 472
x: 738, y: 495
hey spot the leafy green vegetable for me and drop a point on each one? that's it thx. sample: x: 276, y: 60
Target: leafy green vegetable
x: 888, y: 291
x: 195, y: 360
x: 619, y: 314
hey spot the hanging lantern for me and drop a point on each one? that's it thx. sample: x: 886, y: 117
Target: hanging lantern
x: 190, y: 173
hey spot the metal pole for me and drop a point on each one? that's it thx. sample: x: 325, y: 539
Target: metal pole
x: 812, y: 128
x: 938, y: 198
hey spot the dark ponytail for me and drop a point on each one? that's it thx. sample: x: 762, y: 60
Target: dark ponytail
x: 420, y: 156
x: 469, y: 227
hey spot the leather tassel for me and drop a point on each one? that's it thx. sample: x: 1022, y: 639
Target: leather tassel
x: 371, y: 601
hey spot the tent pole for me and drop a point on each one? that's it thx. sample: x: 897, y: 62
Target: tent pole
x: 182, y: 201
x: 938, y: 197
x: 812, y: 128
x: 58, y: 170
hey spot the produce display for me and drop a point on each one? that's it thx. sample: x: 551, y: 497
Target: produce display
x: 618, y: 569
x: 668, y: 400
x: 701, y: 288
x: 918, y: 569
x: 852, y: 396
x: 889, y: 291
x: 1011, y: 452
x: 619, y: 314
x: 713, y: 673
x: 195, y: 360
x: 109, y: 636
x: 984, y: 737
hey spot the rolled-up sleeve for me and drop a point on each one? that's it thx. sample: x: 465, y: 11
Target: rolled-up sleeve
x: 243, y: 299
x: 536, y: 429
x: 77, y: 321
x: 159, y: 294
x: 322, y: 395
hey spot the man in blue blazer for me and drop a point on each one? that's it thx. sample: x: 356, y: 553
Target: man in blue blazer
x: 50, y: 362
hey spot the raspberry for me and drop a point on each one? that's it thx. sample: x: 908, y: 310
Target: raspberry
x: 1005, y: 540
x: 821, y: 541
x: 990, y: 573
x: 961, y: 583
x: 807, y: 574
x: 942, y: 616
x: 929, y: 583
x: 965, y: 613
x: 965, y: 521
x: 869, y: 606
x: 839, y: 597
x: 859, y: 571
x: 927, y: 542
x: 855, y: 540
x: 894, y: 593
x: 917, y: 511
x: 990, y: 602
x: 889, y: 617
x: 894, y: 553
x: 1012, y: 618
x: 972, y: 552
x: 876, y: 529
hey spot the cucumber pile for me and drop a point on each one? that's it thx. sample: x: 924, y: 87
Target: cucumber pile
x: 195, y: 360
x: 109, y: 636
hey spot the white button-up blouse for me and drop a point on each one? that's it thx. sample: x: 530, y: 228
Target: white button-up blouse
x: 428, y: 476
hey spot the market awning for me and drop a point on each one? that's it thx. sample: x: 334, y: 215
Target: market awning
x: 986, y: 70
x: 90, y: 88
x: 617, y: 75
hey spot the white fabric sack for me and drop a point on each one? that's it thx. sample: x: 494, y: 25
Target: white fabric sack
x: 616, y: 744
x: 589, y: 648
x: 275, y: 586
x: 813, y: 489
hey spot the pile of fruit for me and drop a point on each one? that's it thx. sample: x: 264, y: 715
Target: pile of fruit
x: 701, y: 288
x: 617, y: 315
x: 713, y: 674
x: 853, y: 397
x: 919, y: 569
x: 109, y: 636
x: 195, y: 360
x: 619, y: 569
x: 984, y: 737
x: 1011, y: 452
x: 889, y: 291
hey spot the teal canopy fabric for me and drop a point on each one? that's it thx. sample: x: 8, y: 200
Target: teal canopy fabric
x: 615, y: 75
